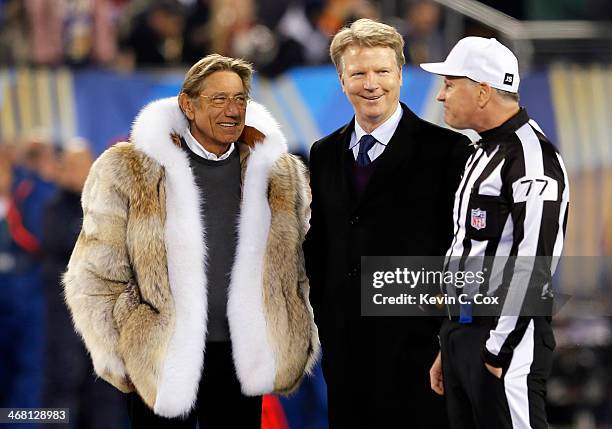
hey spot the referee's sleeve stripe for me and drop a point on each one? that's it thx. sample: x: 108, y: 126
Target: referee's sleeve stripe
x: 534, y: 207
x: 563, y: 212
x: 558, y: 247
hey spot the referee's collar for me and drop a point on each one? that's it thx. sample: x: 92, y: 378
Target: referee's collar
x: 490, y: 138
x: 508, y: 127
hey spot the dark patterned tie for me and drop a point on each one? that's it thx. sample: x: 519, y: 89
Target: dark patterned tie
x: 365, y: 144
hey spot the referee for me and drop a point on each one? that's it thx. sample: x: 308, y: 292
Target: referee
x: 511, y: 206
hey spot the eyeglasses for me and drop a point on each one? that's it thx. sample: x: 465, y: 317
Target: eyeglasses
x: 220, y: 100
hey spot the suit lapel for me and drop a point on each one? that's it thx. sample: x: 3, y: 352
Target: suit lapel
x: 401, y: 147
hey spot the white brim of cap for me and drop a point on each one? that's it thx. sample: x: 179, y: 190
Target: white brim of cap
x: 442, y: 69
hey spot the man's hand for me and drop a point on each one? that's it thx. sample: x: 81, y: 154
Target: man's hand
x: 497, y: 372
x: 251, y: 135
x: 435, y: 376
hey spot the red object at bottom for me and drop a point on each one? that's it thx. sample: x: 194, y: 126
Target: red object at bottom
x: 272, y: 414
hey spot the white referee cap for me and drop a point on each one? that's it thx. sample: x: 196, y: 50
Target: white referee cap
x: 482, y: 60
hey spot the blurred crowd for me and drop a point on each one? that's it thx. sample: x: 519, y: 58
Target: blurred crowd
x: 127, y: 35
x: 43, y: 361
x: 273, y: 34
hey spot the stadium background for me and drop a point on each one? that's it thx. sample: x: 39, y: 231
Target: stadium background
x: 569, y: 96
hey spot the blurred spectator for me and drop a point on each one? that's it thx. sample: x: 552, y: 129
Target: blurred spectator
x: 8, y: 152
x: 269, y: 12
x: 423, y: 33
x: 69, y: 380
x: 296, y: 41
x: 230, y: 20
x: 14, y: 33
x: 300, y: 28
x: 338, y: 13
x: 154, y: 37
x: 35, y: 172
x: 7, y: 265
x: 21, y: 306
x: 71, y: 31
x: 46, y: 26
x: 197, y: 33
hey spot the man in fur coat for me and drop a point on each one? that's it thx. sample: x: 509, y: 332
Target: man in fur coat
x: 187, y: 282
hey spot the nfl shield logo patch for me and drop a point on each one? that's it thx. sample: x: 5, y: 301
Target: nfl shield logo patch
x: 479, y: 219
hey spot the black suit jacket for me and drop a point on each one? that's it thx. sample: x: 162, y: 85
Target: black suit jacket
x: 406, y: 209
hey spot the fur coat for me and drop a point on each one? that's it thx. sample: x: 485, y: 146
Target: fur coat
x: 136, y: 282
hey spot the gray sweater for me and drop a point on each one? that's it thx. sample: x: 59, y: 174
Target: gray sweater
x: 219, y: 186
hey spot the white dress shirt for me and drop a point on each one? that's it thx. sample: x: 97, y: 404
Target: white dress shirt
x: 199, y: 150
x: 382, y: 134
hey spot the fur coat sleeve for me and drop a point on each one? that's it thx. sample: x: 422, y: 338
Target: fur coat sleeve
x: 116, y: 285
x: 99, y: 270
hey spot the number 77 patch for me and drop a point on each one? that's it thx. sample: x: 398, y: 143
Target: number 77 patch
x: 535, y: 188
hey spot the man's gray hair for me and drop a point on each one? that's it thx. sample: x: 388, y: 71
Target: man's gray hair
x: 510, y: 96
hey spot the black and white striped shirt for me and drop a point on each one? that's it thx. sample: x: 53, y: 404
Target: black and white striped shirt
x: 512, y: 201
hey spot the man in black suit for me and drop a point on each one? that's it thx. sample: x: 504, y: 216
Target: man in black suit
x: 383, y: 184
